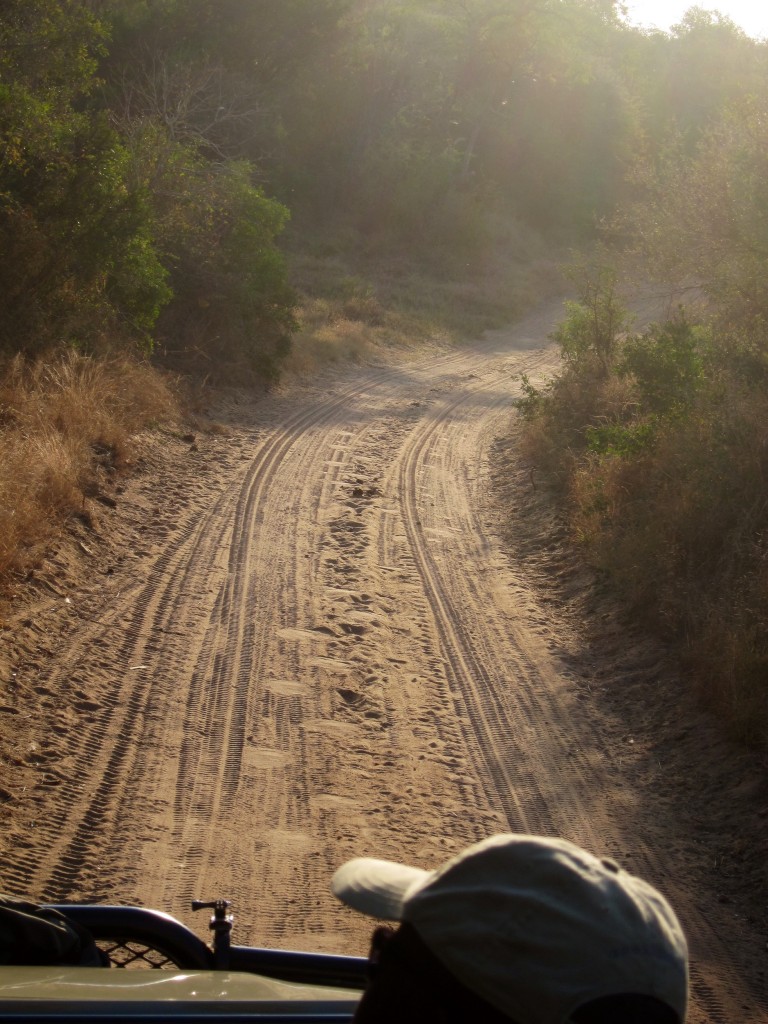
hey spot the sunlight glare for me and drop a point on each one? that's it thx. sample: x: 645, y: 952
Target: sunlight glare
x: 750, y: 16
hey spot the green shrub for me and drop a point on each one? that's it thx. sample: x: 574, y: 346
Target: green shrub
x: 621, y: 440
x: 78, y: 258
x: 659, y: 441
x: 589, y: 336
x: 232, y: 302
x: 667, y: 362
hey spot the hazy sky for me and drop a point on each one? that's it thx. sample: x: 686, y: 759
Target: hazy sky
x: 751, y: 15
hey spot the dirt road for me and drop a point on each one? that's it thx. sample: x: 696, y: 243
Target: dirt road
x: 311, y: 637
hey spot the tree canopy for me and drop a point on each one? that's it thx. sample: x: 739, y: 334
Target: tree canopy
x: 153, y: 150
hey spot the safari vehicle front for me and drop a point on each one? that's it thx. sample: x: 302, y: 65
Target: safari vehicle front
x: 157, y: 969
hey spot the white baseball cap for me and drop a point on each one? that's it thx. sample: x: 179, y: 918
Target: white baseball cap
x: 536, y: 927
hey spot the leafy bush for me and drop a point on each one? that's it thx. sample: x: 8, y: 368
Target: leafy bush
x: 589, y: 335
x: 232, y: 309
x: 667, y: 363
x: 711, y: 205
x: 622, y: 440
x: 659, y: 440
x: 78, y: 255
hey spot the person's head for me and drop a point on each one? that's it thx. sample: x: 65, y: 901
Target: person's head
x: 518, y: 930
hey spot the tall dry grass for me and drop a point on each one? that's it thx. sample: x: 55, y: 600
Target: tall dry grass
x: 66, y: 423
x: 680, y: 524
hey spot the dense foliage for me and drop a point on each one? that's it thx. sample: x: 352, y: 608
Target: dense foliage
x: 152, y: 152
x: 659, y: 440
x: 123, y: 221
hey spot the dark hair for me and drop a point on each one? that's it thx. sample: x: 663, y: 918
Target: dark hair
x: 630, y: 1008
x: 407, y: 980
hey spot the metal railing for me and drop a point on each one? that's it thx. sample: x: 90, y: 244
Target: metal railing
x: 134, y: 937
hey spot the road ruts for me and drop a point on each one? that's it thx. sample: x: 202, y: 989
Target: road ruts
x: 103, y: 729
x: 521, y: 720
x: 332, y: 654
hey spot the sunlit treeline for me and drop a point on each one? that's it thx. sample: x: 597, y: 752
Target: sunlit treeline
x: 153, y: 150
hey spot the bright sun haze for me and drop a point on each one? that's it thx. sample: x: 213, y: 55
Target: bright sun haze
x: 749, y: 15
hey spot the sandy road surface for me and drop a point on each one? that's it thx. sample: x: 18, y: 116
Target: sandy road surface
x: 306, y: 640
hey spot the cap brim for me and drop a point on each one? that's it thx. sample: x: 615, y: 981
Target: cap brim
x: 379, y: 888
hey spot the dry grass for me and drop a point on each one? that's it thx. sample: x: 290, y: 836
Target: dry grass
x: 680, y: 527
x: 352, y: 330
x: 359, y: 302
x: 65, y: 427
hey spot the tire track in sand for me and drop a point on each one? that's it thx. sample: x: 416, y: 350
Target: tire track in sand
x: 522, y: 723
x: 74, y: 833
x: 228, y: 678
x: 320, y: 674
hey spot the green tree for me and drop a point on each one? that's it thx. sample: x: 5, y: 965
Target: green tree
x: 667, y: 365
x: 703, y: 219
x: 590, y: 334
x: 216, y: 232
x: 78, y: 256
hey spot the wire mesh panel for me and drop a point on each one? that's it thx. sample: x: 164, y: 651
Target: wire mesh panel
x: 139, y: 938
x: 130, y: 954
